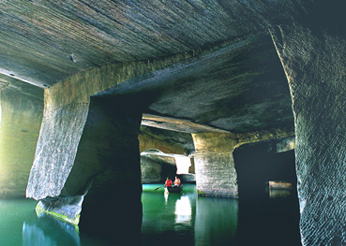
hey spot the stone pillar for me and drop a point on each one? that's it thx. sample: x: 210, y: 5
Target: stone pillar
x: 214, y: 164
x: 56, y: 149
x: 99, y: 139
x: 107, y: 169
x: 314, y: 62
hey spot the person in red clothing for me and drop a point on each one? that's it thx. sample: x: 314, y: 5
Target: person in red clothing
x: 168, y: 182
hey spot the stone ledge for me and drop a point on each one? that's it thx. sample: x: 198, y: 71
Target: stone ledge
x: 65, y: 208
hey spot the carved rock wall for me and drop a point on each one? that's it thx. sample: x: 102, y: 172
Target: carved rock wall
x: 151, y: 170
x: 314, y: 62
x: 21, y: 115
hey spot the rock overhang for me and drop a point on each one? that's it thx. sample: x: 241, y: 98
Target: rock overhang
x: 236, y: 87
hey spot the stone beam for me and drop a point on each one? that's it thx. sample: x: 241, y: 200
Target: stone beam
x: 179, y: 125
x: 314, y: 63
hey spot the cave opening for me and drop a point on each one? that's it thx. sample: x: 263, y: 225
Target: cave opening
x: 155, y: 168
x: 267, y: 214
x: 259, y: 167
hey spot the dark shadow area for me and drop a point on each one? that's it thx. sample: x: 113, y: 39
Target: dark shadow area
x: 107, y: 167
x: 328, y: 16
x: 264, y: 219
x: 168, y: 171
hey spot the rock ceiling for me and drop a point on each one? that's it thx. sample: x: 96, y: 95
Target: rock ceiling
x: 235, y: 81
x: 43, y: 42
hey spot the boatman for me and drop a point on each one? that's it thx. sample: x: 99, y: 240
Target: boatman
x: 176, y: 181
x: 168, y: 182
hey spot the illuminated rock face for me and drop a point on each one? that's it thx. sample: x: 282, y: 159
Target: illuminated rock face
x: 20, y: 119
x: 60, y: 134
x: 315, y: 66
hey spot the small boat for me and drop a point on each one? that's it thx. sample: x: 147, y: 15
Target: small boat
x: 173, y: 189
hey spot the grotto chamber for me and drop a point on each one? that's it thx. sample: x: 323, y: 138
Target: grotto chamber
x: 94, y: 160
x: 79, y: 80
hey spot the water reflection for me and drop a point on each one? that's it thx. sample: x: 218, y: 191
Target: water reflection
x: 47, y: 231
x: 166, y: 194
x: 268, y: 221
x: 167, y: 218
x: 216, y: 221
x: 12, y: 215
x: 183, y: 211
x: 19, y: 225
x: 184, y: 219
x: 181, y: 219
x: 279, y: 193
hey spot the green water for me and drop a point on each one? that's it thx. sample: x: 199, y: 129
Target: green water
x: 13, y: 214
x: 169, y: 219
x: 185, y: 219
x: 20, y: 226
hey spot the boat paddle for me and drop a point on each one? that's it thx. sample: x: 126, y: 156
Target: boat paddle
x: 159, y: 187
